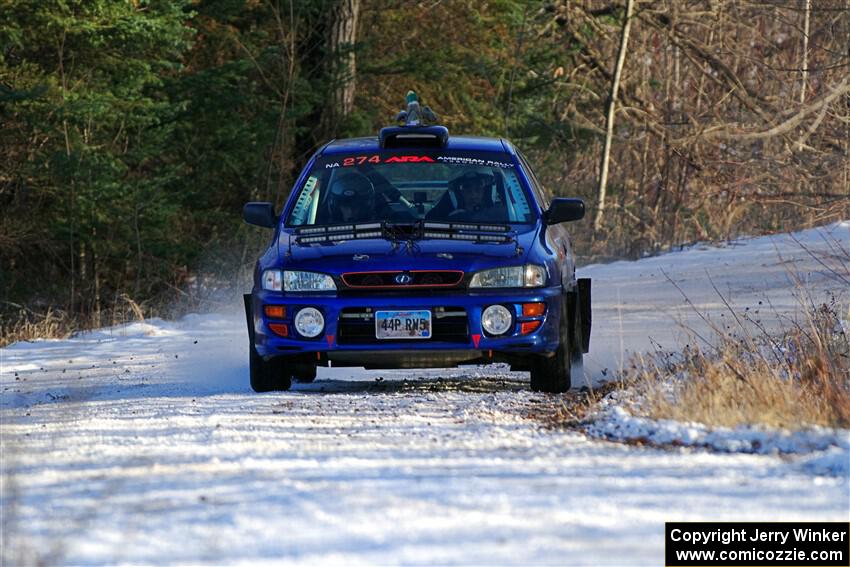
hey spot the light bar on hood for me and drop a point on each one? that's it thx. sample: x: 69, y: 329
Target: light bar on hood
x: 471, y: 232
x: 337, y: 233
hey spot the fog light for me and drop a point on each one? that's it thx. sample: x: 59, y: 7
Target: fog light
x: 309, y: 322
x: 496, y: 320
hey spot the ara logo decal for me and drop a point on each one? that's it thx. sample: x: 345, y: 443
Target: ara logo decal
x: 409, y: 159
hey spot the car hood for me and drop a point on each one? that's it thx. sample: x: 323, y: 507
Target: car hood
x: 375, y: 254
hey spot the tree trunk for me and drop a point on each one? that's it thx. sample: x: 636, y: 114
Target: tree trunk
x: 609, y: 121
x: 343, y: 35
x: 805, y: 66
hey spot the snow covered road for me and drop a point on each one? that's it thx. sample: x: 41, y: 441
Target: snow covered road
x: 144, y: 444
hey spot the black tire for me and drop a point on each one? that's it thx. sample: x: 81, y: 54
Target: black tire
x: 270, y: 375
x: 552, y: 373
x: 304, y: 372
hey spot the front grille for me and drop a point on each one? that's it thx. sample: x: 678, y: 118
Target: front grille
x: 398, y: 279
x: 357, y: 326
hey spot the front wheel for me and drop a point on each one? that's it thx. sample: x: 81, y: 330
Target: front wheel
x: 305, y: 372
x: 269, y: 375
x: 552, y: 373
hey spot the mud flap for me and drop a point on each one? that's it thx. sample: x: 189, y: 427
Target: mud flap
x: 249, y: 317
x: 584, y: 312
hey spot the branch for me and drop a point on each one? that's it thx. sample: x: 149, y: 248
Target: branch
x: 784, y: 127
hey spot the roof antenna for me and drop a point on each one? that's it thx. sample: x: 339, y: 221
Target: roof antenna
x: 416, y: 115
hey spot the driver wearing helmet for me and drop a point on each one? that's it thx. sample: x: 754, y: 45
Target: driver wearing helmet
x: 352, y: 198
x: 469, y: 198
x: 476, y: 190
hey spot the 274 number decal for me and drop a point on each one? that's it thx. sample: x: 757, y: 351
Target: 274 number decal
x: 360, y: 160
x: 378, y: 159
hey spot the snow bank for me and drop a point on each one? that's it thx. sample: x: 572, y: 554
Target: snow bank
x: 826, y: 451
x: 758, y: 277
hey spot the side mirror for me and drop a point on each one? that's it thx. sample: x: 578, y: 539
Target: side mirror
x: 564, y: 210
x: 260, y: 214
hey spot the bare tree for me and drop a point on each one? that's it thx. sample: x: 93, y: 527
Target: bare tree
x: 723, y: 124
x: 609, y: 120
x: 805, y: 65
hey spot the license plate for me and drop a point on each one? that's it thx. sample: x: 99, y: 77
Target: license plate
x: 403, y: 324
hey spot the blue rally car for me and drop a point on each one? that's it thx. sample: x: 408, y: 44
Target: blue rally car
x: 417, y: 249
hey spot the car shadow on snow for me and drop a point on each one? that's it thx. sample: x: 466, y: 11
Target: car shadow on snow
x: 499, y: 382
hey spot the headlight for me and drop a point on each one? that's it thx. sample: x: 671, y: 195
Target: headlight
x: 307, y: 281
x: 530, y: 275
x: 309, y: 322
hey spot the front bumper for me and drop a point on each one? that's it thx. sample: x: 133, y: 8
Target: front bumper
x: 473, y: 345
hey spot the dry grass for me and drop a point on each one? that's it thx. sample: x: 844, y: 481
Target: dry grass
x: 797, y: 379
x: 792, y: 378
x: 26, y: 325
x: 18, y: 323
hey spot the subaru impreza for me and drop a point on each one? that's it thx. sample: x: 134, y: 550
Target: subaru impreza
x: 417, y: 249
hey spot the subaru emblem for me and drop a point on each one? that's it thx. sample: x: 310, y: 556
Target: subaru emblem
x: 403, y: 279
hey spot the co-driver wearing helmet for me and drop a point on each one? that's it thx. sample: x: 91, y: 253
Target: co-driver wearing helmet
x: 352, y: 198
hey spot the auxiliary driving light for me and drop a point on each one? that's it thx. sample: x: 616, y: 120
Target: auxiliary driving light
x: 496, y: 320
x: 309, y: 322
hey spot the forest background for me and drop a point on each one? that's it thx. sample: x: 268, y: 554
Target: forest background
x: 133, y: 131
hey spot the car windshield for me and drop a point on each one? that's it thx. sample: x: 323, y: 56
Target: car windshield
x: 411, y: 186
